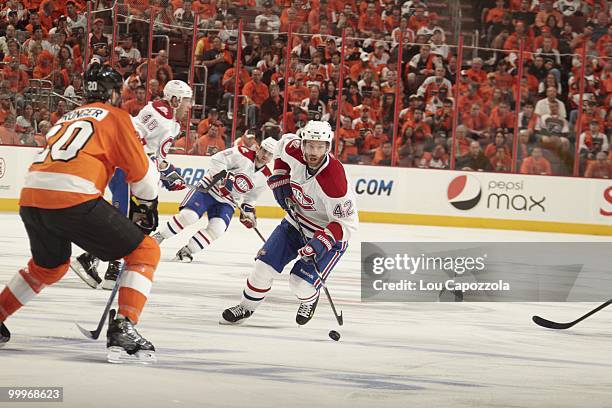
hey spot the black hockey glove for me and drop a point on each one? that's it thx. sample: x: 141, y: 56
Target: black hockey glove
x: 144, y: 214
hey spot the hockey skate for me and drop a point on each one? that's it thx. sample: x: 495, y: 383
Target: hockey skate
x: 125, y: 345
x: 85, y: 266
x: 158, y: 237
x: 5, y: 335
x: 306, y: 311
x: 184, y: 255
x: 110, y: 277
x: 235, y: 315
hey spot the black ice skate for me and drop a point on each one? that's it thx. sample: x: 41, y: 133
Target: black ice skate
x: 85, y: 266
x: 5, y: 335
x: 110, y: 277
x: 125, y: 345
x: 306, y: 311
x: 235, y: 315
x: 184, y: 255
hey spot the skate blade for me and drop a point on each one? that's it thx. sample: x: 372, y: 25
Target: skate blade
x: 224, y: 322
x: 78, y: 269
x: 183, y: 260
x: 108, y: 284
x: 118, y: 355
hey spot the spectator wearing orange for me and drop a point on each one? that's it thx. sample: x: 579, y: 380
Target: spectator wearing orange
x: 184, y: 144
x: 501, y: 162
x: 476, y: 121
x: 373, y: 140
x: 434, y: 83
x: 592, y: 140
x: 547, y: 10
x: 499, y: 142
x: 417, y: 128
x: 382, y: 155
x: 369, y: 21
x: 15, y: 52
x: 495, y: 14
x: 34, y: 23
x: 363, y: 121
x: 512, y: 43
x: 129, y: 91
x: 601, y: 167
x: 356, y: 69
x: 474, y: 160
x: 536, y: 164
x: 527, y: 118
x: 133, y: 106
x: 501, y: 117
x: 8, y: 135
x: 212, y: 116
x: 349, y: 141
x: 591, y: 112
x: 256, y: 92
x: 421, y: 65
x: 210, y: 143
x: 476, y: 73
x: 299, y: 91
x: 418, y: 19
x: 16, y: 77
x: 44, y: 66
x: 437, y: 159
x: 157, y: 63
x: 59, y: 111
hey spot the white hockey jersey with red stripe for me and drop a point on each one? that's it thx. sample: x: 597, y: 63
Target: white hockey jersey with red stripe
x: 157, y: 128
x: 248, y: 182
x: 325, y: 199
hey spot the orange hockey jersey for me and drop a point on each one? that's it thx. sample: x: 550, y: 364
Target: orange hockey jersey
x: 83, y: 150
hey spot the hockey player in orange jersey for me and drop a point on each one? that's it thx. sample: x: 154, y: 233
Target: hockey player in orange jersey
x: 61, y: 203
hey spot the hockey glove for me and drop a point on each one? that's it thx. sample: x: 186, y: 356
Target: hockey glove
x: 281, y: 187
x: 226, y: 185
x: 144, y: 214
x: 247, y: 215
x: 171, y: 179
x: 318, y: 246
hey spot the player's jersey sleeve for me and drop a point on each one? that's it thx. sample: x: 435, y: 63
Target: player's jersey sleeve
x: 339, y: 201
x: 130, y: 157
x: 289, y: 142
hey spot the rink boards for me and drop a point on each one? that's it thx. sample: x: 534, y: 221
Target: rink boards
x: 414, y: 196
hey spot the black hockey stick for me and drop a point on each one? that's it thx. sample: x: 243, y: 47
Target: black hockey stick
x: 260, y: 236
x: 293, y: 215
x: 96, y: 333
x: 561, y: 326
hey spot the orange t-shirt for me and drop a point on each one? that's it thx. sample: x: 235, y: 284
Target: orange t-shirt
x: 82, y: 156
x: 532, y: 166
x: 258, y: 93
x: 207, y: 146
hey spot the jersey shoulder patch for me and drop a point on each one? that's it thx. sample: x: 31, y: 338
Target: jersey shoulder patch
x: 333, y: 179
x: 163, y: 109
x: 293, y: 148
x: 246, y: 152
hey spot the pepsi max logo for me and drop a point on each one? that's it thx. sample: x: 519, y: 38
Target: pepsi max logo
x: 464, y: 192
x: 242, y: 183
x: 303, y: 200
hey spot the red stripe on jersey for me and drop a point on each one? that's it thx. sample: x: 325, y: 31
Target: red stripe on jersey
x: 163, y: 108
x: 266, y: 171
x: 281, y: 165
x: 248, y: 153
x: 254, y: 289
x: 294, y: 150
x: 310, y: 223
x: 333, y: 179
x: 336, y: 230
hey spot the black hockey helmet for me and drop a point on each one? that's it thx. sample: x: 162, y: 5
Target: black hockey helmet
x: 100, y: 80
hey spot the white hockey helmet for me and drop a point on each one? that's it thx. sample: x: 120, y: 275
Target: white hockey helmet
x: 269, y: 144
x: 317, y: 130
x: 177, y: 88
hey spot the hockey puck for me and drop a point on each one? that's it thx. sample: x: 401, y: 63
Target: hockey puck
x: 334, y: 335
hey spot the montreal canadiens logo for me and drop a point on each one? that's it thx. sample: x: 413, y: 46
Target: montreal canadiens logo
x: 303, y: 200
x: 242, y: 183
x: 464, y: 192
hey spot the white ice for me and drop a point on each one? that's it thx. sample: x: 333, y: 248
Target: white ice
x: 390, y: 354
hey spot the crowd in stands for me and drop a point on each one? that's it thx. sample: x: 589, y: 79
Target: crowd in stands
x: 44, y: 44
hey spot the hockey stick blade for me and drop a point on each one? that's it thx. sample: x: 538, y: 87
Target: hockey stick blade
x: 93, y: 335
x: 540, y: 321
x: 562, y: 326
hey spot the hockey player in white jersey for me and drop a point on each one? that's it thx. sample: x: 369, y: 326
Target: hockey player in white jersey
x: 305, y: 173
x: 157, y: 125
x: 246, y: 176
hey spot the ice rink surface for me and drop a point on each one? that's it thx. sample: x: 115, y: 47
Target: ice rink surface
x: 390, y: 354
